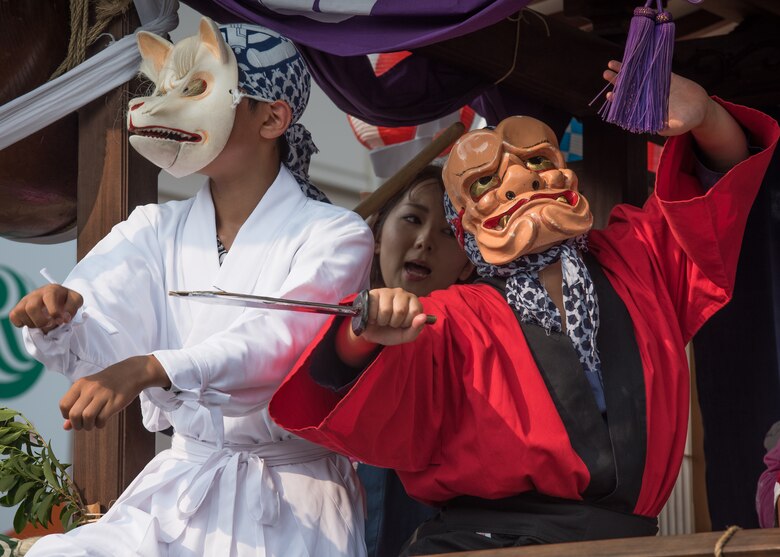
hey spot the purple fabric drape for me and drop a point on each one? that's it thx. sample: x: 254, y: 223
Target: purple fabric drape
x: 391, y: 25
x: 417, y: 89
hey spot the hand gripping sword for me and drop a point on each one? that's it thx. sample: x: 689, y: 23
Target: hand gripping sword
x: 358, y: 310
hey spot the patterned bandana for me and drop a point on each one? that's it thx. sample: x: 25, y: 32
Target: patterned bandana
x: 525, y: 294
x: 271, y: 69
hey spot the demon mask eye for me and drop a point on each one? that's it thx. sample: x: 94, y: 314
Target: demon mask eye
x: 539, y: 163
x: 483, y: 185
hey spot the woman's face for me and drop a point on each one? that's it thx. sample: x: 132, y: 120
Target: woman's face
x: 417, y: 249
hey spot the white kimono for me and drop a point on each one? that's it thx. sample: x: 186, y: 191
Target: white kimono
x: 264, y: 492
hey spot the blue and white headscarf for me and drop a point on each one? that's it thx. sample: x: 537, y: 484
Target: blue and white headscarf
x: 525, y: 294
x: 271, y: 69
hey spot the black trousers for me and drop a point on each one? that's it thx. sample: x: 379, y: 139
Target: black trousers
x: 468, y: 524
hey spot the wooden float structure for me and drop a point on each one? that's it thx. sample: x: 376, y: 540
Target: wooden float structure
x: 112, y: 179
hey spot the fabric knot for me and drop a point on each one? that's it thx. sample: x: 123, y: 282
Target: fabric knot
x: 237, y: 95
x: 301, y: 148
x: 213, y: 401
x: 265, y: 509
x: 227, y: 469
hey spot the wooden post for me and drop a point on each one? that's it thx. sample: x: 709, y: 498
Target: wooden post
x: 112, y: 179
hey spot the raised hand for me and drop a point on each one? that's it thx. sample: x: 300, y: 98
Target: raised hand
x: 92, y: 400
x: 720, y: 139
x: 46, y: 308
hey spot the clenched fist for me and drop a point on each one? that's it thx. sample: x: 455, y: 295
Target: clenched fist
x: 92, y: 400
x: 46, y: 308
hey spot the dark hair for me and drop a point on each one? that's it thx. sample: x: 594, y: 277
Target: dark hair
x: 377, y: 220
x: 281, y: 141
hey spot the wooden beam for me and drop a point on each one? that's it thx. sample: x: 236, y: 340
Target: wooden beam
x: 557, y: 65
x: 697, y: 24
x: 112, y: 179
x: 743, y: 66
x: 609, y: 17
x: 744, y: 543
x: 560, y: 66
x: 770, y: 6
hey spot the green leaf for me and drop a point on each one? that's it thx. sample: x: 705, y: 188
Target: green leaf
x: 7, y: 482
x: 38, y: 495
x: 54, y: 459
x: 6, y: 413
x: 65, y: 514
x: 10, y: 437
x: 19, y: 465
x: 43, y: 513
x: 20, y: 519
x: 36, y: 471
x: 22, y: 492
x: 49, y: 475
x: 11, y: 495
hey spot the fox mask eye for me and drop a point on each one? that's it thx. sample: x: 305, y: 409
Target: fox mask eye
x: 195, y: 87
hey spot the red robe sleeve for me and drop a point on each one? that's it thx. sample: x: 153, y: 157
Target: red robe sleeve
x: 462, y: 410
x: 371, y: 428
x: 684, y: 237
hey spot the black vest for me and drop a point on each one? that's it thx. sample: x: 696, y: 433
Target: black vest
x: 613, y: 447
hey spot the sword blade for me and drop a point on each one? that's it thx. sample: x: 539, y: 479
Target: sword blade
x: 263, y: 302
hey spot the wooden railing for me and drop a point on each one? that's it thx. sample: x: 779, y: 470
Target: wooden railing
x: 743, y: 543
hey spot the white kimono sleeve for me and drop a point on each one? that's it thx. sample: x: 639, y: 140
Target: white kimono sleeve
x: 123, y: 309
x: 240, y: 367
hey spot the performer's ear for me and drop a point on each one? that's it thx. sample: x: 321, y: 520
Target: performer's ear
x: 278, y: 116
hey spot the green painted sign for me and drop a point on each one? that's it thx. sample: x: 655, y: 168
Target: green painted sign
x: 18, y: 371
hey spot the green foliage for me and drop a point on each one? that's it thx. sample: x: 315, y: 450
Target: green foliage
x: 32, y: 477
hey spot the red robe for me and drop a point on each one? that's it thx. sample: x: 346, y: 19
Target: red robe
x: 465, y: 410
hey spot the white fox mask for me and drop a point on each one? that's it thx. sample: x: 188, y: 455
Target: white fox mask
x: 186, y: 122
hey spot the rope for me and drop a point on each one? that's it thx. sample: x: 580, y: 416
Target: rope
x: 517, y: 45
x: 81, y: 35
x: 724, y: 539
x: 517, y: 19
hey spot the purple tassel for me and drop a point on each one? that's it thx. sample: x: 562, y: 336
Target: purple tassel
x: 659, y: 76
x: 627, y: 97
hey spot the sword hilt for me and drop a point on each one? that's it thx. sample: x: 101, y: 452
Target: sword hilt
x: 360, y: 320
